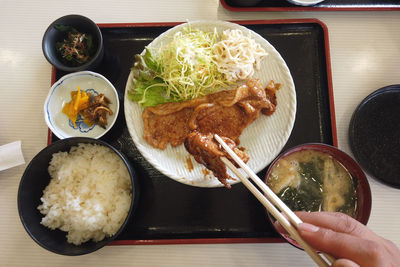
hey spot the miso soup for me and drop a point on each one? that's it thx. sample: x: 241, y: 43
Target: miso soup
x: 310, y: 180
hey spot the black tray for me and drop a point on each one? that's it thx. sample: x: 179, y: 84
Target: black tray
x: 171, y: 212
x: 327, y: 5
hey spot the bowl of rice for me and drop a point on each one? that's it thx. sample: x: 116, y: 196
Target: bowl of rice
x: 77, y: 195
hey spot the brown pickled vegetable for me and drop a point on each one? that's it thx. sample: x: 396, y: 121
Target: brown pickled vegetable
x: 94, y: 110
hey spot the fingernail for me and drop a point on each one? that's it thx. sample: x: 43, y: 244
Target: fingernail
x: 308, y: 227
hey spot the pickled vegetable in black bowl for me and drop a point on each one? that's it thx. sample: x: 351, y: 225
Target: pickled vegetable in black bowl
x: 76, y: 48
x: 73, y: 43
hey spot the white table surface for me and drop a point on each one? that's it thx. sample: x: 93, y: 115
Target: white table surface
x: 365, y: 55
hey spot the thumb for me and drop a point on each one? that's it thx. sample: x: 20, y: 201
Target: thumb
x: 339, y: 245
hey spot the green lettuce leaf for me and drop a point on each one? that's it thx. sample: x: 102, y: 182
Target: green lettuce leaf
x: 148, y: 88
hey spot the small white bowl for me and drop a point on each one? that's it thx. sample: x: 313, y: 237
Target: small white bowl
x: 60, y: 94
x: 305, y: 2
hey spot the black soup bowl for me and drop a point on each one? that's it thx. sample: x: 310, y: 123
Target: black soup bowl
x: 55, y: 34
x: 35, y: 179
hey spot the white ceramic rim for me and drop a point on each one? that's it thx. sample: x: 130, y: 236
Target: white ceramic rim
x: 58, y: 83
x: 305, y: 2
x: 178, y: 173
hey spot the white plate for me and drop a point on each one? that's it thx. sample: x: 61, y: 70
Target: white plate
x: 60, y: 94
x: 263, y: 139
x: 305, y: 2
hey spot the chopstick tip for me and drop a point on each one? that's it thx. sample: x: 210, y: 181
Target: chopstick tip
x: 218, y: 138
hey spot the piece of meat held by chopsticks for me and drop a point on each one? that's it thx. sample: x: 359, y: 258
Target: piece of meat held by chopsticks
x: 208, y: 152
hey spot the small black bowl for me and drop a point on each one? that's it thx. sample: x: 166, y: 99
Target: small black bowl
x: 81, y: 24
x: 34, y: 181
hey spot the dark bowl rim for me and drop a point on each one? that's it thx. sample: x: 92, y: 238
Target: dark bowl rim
x: 362, y: 179
x: 393, y: 88
x: 134, y: 191
x: 85, y: 66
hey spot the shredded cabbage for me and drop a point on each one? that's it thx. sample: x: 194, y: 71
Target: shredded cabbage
x: 181, y: 70
x: 188, y: 66
x: 195, y: 63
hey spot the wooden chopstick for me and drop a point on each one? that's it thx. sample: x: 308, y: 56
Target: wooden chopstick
x: 294, y: 219
x: 290, y: 224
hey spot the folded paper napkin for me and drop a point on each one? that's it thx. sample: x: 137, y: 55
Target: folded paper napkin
x: 11, y: 155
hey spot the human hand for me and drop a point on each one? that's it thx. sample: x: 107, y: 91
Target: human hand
x: 349, y: 241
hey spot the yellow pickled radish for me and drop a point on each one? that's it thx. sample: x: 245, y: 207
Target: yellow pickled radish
x: 79, y: 101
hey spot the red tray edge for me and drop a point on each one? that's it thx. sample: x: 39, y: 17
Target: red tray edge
x: 223, y: 240
x: 303, y: 8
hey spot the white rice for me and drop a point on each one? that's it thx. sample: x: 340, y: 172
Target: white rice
x: 89, y: 195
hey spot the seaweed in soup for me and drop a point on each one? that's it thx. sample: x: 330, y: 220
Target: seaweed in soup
x: 312, y: 181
